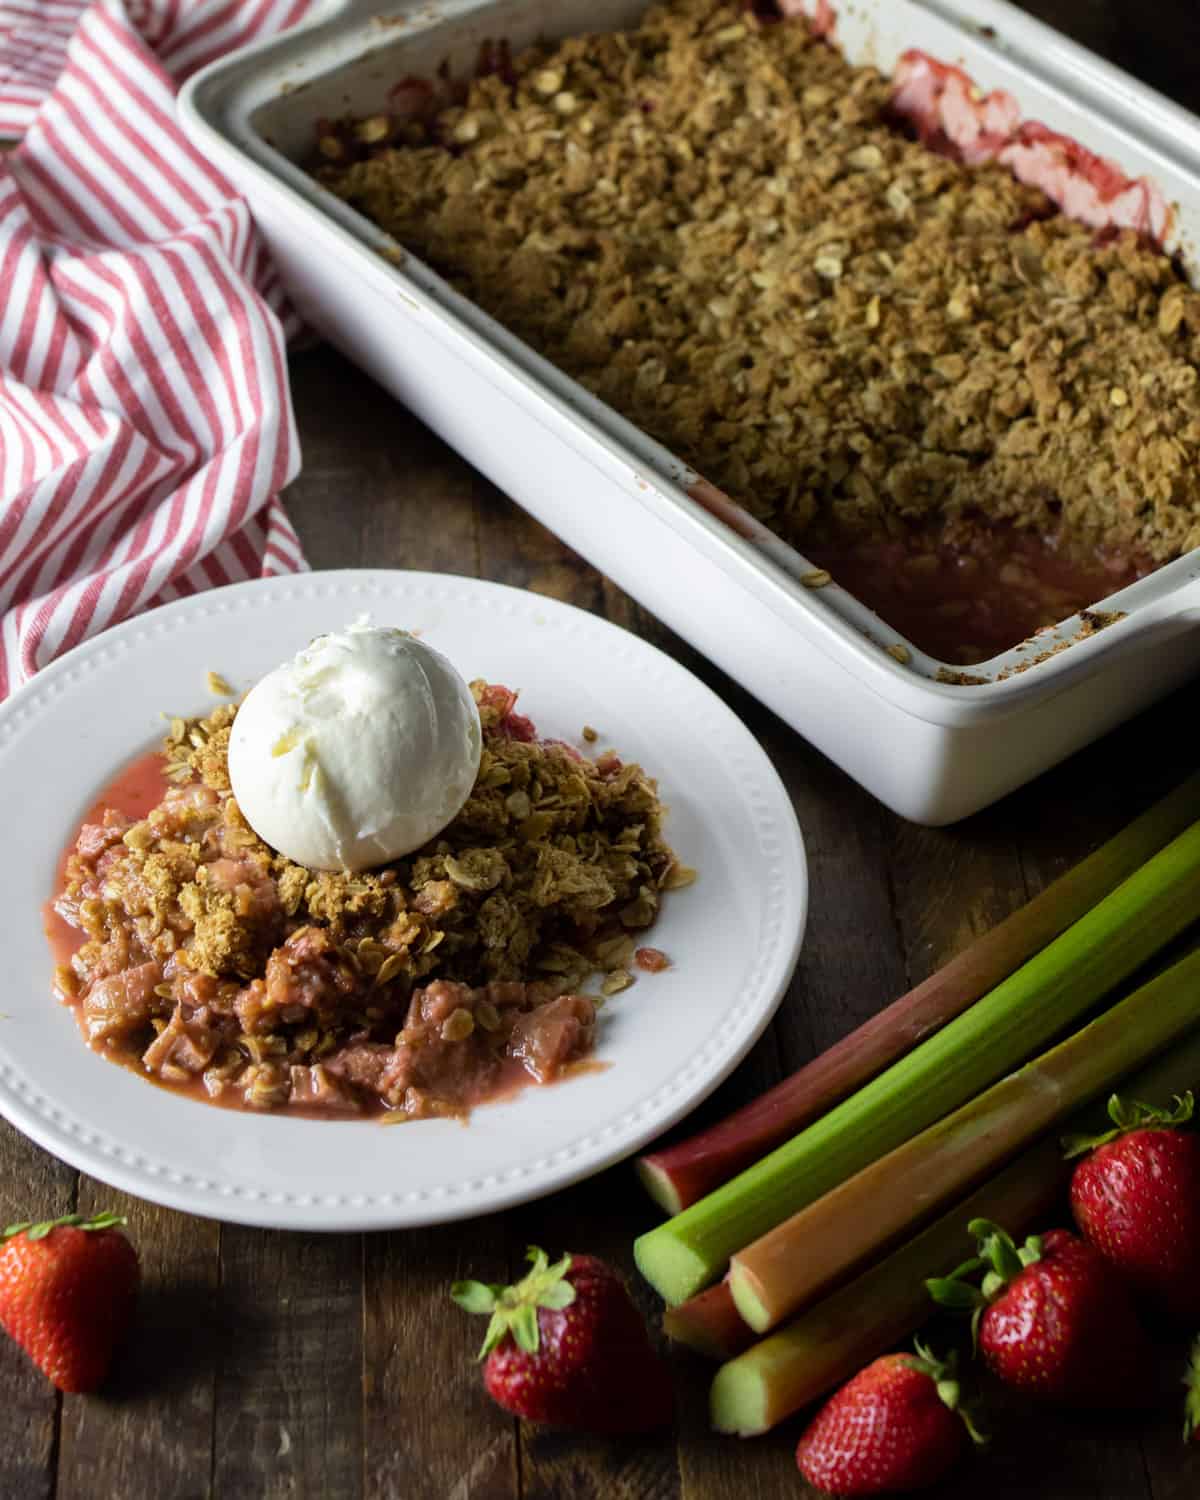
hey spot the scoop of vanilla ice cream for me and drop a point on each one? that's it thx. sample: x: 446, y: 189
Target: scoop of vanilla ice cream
x: 357, y: 751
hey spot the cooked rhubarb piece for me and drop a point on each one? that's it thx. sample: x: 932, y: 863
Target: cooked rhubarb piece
x: 209, y: 962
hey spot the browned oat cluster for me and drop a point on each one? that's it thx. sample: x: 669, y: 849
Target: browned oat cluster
x: 210, y: 960
x: 713, y: 224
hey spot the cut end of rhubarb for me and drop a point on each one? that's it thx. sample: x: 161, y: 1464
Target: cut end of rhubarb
x: 738, y: 1400
x: 673, y: 1269
x: 658, y: 1184
x: 681, y: 1330
x: 746, y: 1288
x: 709, y: 1324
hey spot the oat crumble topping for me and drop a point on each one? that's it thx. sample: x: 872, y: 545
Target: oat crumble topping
x: 210, y: 959
x: 712, y: 222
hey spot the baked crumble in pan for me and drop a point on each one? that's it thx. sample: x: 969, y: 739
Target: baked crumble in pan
x: 720, y: 227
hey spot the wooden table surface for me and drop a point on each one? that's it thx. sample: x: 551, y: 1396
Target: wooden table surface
x: 290, y: 1365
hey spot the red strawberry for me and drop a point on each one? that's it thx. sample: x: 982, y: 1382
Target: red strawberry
x: 1052, y: 1318
x: 67, y: 1290
x: 896, y: 1426
x: 1136, y: 1198
x: 566, y: 1346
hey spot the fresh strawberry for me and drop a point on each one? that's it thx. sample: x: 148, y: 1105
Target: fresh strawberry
x: 566, y: 1346
x: 67, y: 1290
x: 1136, y: 1198
x: 1052, y: 1318
x: 896, y: 1426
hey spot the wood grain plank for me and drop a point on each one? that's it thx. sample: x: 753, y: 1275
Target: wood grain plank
x: 1172, y: 1466
x: 430, y: 1431
x: 1066, y: 1455
x: 1075, y: 807
x: 378, y: 489
x: 288, y: 1416
x: 852, y: 962
x: 517, y: 550
x: 33, y: 1185
x: 150, y: 1431
x: 599, y: 1217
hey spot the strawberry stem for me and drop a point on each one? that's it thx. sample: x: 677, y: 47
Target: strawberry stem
x: 944, y: 1374
x: 514, y: 1309
x: 39, y: 1231
x: 1191, y: 1407
x: 1132, y: 1115
x: 1001, y: 1261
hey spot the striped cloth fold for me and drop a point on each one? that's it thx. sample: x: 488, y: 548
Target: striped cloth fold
x: 145, y: 423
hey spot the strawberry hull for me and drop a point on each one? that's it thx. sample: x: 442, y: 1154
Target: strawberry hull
x: 567, y: 1347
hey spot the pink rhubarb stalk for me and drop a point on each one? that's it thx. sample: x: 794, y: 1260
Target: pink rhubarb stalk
x: 681, y: 1174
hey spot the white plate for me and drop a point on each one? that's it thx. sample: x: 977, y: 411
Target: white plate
x: 734, y: 936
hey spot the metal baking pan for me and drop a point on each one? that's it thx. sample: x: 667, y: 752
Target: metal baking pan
x: 932, y: 751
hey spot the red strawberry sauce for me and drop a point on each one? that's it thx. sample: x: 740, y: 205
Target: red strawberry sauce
x: 134, y: 791
x: 968, y: 599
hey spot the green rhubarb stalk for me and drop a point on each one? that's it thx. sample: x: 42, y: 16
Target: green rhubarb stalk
x: 678, y: 1175
x: 800, y: 1259
x: 840, y: 1334
x: 1007, y: 1025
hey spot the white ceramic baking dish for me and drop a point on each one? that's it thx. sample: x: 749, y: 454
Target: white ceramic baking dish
x: 932, y: 751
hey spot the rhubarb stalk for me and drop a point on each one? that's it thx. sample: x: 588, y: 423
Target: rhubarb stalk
x: 837, y: 1336
x: 1011, y: 1022
x: 681, y: 1174
x: 710, y: 1324
x: 803, y: 1257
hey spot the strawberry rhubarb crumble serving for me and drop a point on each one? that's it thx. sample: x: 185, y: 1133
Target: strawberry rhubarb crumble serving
x: 416, y: 936
x: 974, y: 411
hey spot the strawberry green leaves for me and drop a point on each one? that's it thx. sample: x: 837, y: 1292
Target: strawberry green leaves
x: 1131, y: 1115
x: 39, y: 1231
x: 514, y: 1309
x: 1001, y: 1260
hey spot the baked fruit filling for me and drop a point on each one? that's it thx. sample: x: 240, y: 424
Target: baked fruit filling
x: 975, y: 411
x: 213, y: 964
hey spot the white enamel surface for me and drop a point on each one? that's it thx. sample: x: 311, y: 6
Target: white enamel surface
x: 932, y: 752
x: 733, y: 937
x: 355, y: 751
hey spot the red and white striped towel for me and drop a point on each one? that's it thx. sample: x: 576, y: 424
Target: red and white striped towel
x: 145, y: 423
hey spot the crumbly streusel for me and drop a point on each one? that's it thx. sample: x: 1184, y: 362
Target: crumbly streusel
x: 712, y: 222
x: 210, y: 959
